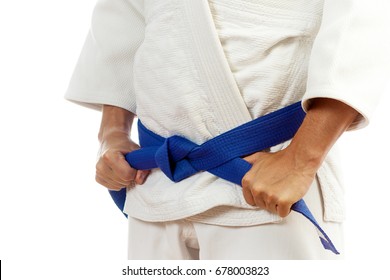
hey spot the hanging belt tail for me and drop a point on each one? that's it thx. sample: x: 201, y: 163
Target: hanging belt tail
x: 180, y: 158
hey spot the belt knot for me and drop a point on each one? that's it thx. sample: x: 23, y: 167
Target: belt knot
x: 172, y: 158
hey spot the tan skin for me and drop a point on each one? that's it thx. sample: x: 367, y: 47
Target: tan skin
x: 275, y: 181
x: 112, y: 169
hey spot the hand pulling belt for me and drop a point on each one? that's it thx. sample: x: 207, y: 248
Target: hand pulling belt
x: 180, y: 158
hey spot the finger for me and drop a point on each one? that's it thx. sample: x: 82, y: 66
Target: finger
x: 141, y: 176
x: 283, y: 209
x: 260, y: 202
x: 108, y: 185
x: 121, y: 170
x: 248, y: 196
x: 108, y: 179
x: 106, y: 172
x: 117, y: 184
x: 271, y: 203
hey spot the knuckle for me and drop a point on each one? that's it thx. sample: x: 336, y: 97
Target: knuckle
x: 100, y: 181
x: 105, y: 184
x: 283, y: 202
x: 106, y: 157
x: 283, y: 214
x: 284, y: 208
x: 259, y: 192
x: 99, y: 167
x: 127, y: 176
x: 283, y: 211
x: 246, y: 181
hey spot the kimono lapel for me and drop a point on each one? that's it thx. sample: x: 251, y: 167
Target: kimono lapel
x: 230, y: 108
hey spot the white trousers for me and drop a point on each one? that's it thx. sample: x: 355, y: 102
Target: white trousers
x: 293, y: 238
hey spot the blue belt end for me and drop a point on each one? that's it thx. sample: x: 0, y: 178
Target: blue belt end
x: 329, y: 245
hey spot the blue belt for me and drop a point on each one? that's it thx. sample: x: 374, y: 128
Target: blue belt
x: 180, y: 158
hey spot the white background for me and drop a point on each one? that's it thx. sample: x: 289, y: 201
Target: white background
x: 54, y: 219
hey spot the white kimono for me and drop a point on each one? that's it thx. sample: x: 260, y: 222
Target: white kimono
x: 197, y: 68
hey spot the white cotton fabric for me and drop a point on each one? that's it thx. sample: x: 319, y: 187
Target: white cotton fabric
x: 199, y: 68
x: 292, y: 239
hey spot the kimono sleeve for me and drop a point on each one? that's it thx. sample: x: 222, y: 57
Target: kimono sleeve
x: 104, y: 71
x: 350, y: 56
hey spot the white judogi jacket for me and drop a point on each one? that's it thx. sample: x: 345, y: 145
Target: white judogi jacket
x: 197, y: 68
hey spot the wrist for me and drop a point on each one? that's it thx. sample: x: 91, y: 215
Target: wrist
x: 115, y: 122
x: 324, y: 123
x: 306, y: 159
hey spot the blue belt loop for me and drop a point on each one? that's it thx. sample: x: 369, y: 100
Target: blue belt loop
x: 180, y: 158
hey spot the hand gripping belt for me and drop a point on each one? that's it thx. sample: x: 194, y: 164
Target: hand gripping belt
x: 180, y: 158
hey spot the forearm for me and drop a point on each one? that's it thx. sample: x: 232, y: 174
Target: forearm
x: 115, y: 120
x: 324, y: 123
